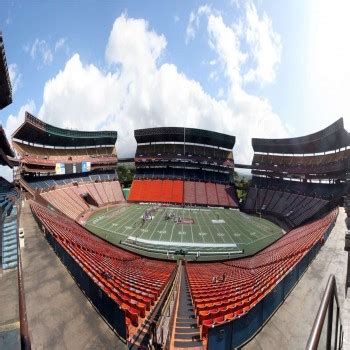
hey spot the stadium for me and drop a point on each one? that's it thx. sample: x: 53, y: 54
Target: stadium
x: 178, y: 261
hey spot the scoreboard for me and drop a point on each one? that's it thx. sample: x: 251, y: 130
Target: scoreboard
x: 72, y: 168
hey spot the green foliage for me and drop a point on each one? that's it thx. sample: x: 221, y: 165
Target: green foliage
x: 242, y: 184
x: 126, y: 174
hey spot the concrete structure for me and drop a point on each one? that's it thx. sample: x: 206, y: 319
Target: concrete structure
x: 290, y: 326
x: 9, y: 312
x: 59, y: 314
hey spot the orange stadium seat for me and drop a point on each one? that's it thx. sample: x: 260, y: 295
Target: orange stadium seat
x: 167, y: 191
x: 212, y: 195
x: 178, y: 191
x: 248, y: 280
x: 135, y: 191
x: 134, y: 283
x: 201, y: 195
x: 190, y: 192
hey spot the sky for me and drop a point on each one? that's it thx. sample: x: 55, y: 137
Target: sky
x: 261, y: 68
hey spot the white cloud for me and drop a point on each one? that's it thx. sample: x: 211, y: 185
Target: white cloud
x: 61, y: 44
x: 15, y: 77
x: 246, y: 115
x: 193, y: 21
x: 265, y: 46
x: 140, y: 92
x: 43, y: 51
x: 80, y: 96
x: 327, y: 70
x: 191, y: 30
x: 142, y: 53
x: 12, y: 123
x: 225, y: 41
x: 6, y: 172
x: 40, y: 49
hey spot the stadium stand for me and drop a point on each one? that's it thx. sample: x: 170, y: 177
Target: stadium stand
x: 178, y: 191
x: 334, y: 137
x: 224, y: 292
x: 8, y: 194
x: 74, y: 171
x: 70, y: 196
x: 296, y: 188
x: 321, y: 164
x: 46, y: 182
x: 6, y: 152
x: 8, y: 225
x: 5, y: 82
x: 70, y: 174
x: 72, y: 148
x: 132, y: 282
x: 172, y: 161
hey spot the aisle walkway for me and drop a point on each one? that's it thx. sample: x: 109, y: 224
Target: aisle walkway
x: 186, y: 330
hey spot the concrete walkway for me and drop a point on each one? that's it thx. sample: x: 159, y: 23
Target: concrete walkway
x: 59, y: 315
x: 9, y: 311
x: 290, y: 326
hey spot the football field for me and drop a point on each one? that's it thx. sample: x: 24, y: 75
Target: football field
x: 210, y: 231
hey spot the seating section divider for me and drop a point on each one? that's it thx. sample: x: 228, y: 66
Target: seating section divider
x: 183, y: 192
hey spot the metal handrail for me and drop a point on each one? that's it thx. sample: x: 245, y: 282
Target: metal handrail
x: 167, y: 311
x: 327, y: 303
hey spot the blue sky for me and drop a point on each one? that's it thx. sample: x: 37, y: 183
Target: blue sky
x: 248, y: 68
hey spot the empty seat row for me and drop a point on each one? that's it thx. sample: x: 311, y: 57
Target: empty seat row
x: 293, y: 208
x: 165, y: 191
x: 70, y: 199
x: 223, y: 291
x: 179, y: 192
x: 133, y: 282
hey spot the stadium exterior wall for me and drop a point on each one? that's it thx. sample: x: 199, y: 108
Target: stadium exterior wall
x: 108, y: 309
x: 238, y: 332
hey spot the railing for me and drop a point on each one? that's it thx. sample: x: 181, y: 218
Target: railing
x: 166, y: 320
x: 327, y: 305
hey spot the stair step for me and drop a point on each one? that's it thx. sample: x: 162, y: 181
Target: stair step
x: 187, y: 334
x: 194, y: 331
x: 187, y: 337
x: 187, y: 325
x: 187, y: 344
x: 191, y: 319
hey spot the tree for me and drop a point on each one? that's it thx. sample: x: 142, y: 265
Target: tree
x: 126, y: 174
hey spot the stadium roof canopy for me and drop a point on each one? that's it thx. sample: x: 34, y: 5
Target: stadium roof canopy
x: 331, y: 138
x: 190, y: 135
x: 5, y: 149
x: 35, y: 131
x: 5, y: 84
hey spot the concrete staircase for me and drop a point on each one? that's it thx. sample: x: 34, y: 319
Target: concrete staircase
x: 9, y: 240
x: 187, y: 333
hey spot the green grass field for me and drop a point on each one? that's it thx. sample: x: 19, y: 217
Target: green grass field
x: 214, y: 232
